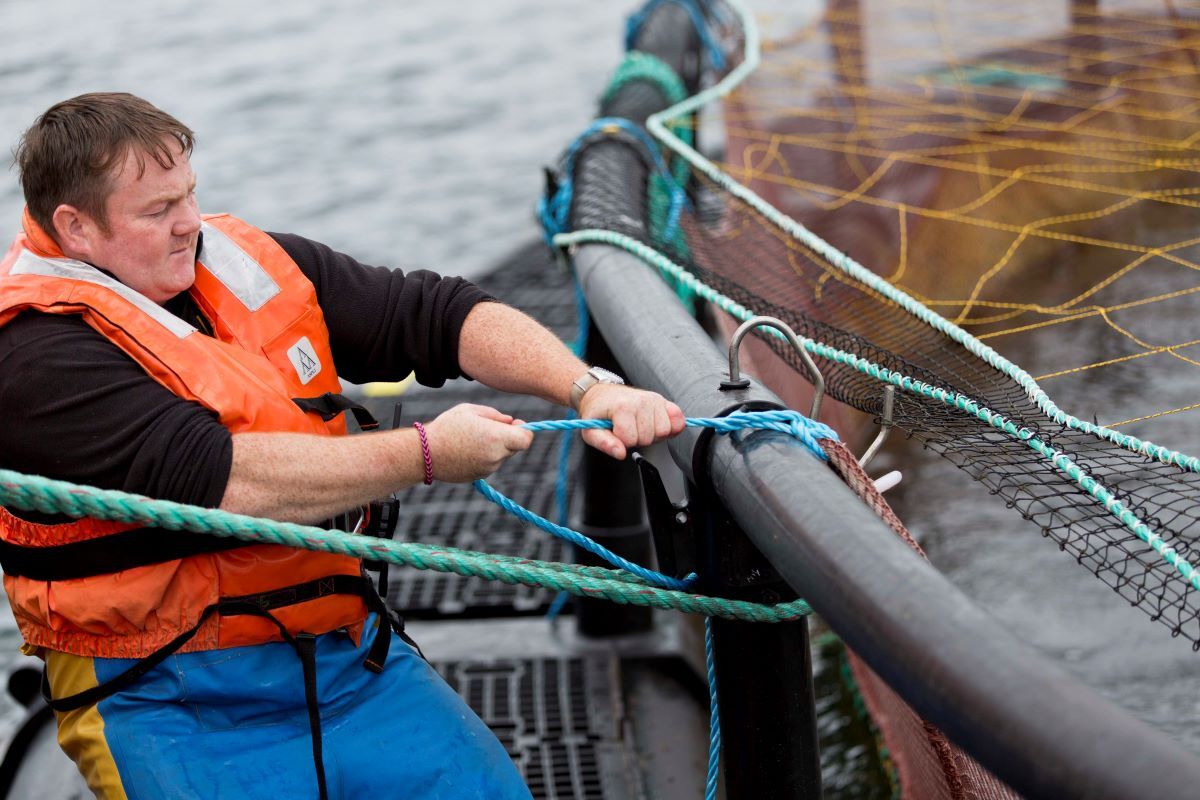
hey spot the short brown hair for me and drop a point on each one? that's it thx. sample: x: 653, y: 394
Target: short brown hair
x: 71, y: 153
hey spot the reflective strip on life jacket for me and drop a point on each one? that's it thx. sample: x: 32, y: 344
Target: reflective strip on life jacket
x: 28, y: 263
x: 241, y: 275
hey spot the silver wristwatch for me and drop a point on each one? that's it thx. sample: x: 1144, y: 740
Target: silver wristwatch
x: 589, y: 379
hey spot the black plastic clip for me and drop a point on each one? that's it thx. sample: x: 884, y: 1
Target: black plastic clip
x: 670, y: 523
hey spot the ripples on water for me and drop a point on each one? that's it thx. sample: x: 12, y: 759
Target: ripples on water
x: 407, y: 134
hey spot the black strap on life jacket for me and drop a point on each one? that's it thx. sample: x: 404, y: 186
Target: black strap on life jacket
x: 304, y: 644
x: 107, y: 554
x: 141, y: 547
x: 381, y: 519
x: 329, y: 405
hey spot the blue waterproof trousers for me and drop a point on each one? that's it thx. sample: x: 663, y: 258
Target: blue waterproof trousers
x: 233, y: 723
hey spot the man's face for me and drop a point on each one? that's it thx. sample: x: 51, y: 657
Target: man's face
x: 153, y: 226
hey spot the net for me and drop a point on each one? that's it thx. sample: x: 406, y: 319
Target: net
x: 967, y: 153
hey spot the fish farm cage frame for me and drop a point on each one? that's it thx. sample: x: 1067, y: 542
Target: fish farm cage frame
x: 768, y: 516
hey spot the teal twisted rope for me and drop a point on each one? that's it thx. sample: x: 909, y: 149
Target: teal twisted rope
x: 36, y: 493
x: 639, y: 66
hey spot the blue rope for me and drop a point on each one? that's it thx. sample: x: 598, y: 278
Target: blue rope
x: 634, y: 24
x: 806, y: 430
x: 554, y: 211
x: 578, y: 539
x: 714, y: 717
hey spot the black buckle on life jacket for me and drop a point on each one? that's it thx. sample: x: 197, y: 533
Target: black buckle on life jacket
x: 329, y: 405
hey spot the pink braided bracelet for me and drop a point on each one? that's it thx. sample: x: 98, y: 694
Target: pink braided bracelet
x: 425, y: 452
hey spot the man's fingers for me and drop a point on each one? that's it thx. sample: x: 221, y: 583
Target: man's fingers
x: 625, y: 427
x: 645, y: 423
x: 662, y: 422
x: 605, y: 442
x: 519, y: 439
x: 487, y: 412
x: 677, y: 417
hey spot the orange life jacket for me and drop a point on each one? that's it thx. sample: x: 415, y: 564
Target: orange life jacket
x: 269, y: 345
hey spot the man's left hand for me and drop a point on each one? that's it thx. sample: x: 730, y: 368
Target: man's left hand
x: 639, y: 418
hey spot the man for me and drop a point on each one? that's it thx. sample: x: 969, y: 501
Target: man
x: 147, y: 349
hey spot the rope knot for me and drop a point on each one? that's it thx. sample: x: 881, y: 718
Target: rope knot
x: 807, y: 430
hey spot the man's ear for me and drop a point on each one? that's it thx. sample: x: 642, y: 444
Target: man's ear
x: 74, y: 231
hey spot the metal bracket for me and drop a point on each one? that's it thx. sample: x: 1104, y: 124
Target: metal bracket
x: 736, y: 381
x: 885, y: 426
x: 671, y: 525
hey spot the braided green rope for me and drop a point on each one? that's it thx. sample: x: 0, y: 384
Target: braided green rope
x: 1060, y: 460
x: 639, y: 66
x: 657, y: 126
x: 36, y: 493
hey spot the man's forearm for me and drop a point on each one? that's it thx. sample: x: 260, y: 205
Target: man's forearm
x: 304, y: 478
x: 508, y: 350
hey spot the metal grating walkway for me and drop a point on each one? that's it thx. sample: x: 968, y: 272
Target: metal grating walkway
x: 559, y: 720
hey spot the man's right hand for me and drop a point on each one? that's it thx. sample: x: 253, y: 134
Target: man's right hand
x: 471, y: 441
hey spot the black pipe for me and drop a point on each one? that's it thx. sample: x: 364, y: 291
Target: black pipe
x: 1022, y: 718
x: 669, y: 34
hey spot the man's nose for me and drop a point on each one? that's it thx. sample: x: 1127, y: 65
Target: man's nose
x: 188, y: 221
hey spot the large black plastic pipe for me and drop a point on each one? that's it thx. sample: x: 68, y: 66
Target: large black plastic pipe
x: 1033, y: 726
x: 770, y: 750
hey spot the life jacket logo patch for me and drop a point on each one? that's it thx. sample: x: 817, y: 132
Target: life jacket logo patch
x: 304, y: 358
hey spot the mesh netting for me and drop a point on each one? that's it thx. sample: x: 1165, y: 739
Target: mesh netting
x: 962, y: 151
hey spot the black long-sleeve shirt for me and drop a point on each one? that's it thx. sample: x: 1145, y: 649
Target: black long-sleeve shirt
x: 73, y: 406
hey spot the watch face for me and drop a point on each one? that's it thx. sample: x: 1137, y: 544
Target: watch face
x: 605, y: 376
